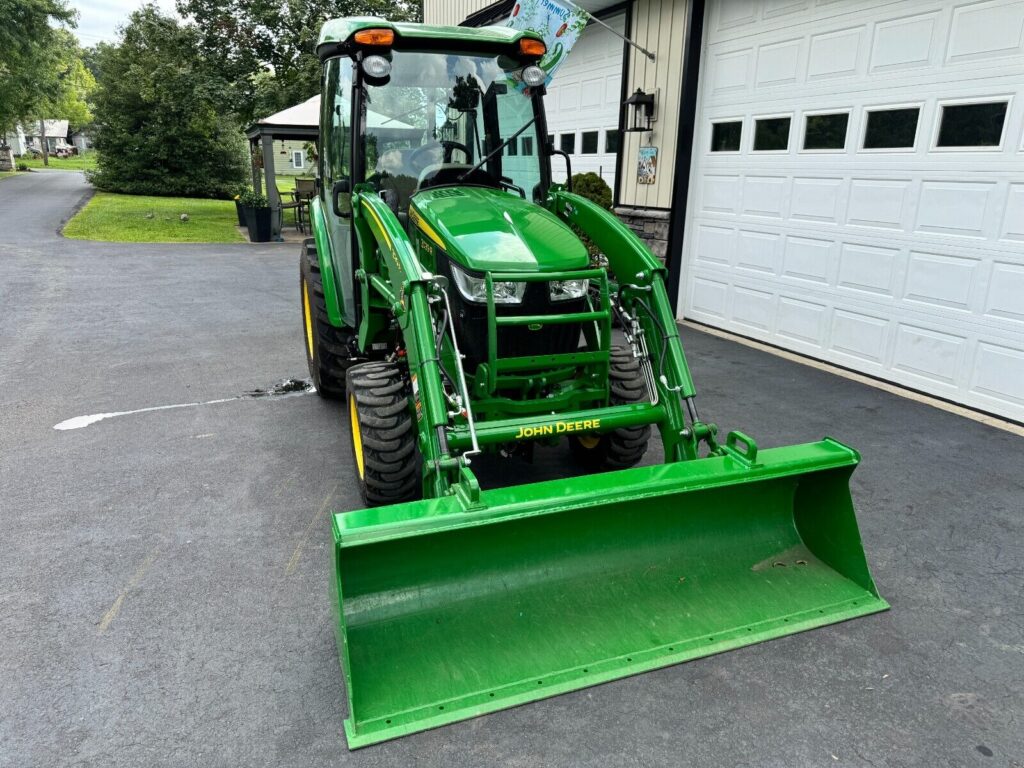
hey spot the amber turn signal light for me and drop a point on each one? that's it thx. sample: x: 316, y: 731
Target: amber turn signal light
x: 531, y: 47
x: 382, y: 37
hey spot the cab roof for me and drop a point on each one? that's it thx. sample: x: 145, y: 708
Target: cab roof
x: 336, y: 33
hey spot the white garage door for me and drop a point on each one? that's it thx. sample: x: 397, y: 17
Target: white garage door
x: 858, y: 188
x: 583, y: 102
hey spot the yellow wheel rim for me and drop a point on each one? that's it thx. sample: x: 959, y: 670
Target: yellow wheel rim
x: 307, y: 318
x: 590, y: 442
x: 357, y: 437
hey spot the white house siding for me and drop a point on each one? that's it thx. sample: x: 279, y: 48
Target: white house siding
x: 907, y: 264
x: 283, y: 159
x: 451, y: 12
x: 584, y: 98
x: 660, y: 27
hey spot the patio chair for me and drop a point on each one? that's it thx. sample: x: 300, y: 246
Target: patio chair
x: 295, y: 206
x: 305, y: 190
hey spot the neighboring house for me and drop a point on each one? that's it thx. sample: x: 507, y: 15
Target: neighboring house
x: 844, y: 179
x: 27, y: 137
x: 81, y: 140
x: 17, y: 142
x: 290, y: 159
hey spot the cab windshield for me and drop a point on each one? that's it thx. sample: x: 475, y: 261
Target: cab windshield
x: 438, y: 115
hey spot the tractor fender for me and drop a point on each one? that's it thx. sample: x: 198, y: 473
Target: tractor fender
x: 335, y: 309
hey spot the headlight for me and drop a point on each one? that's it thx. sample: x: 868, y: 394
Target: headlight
x: 563, y: 290
x: 534, y: 76
x: 475, y: 289
x: 376, y: 66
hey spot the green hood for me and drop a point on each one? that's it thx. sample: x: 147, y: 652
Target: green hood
x: 487, y: 229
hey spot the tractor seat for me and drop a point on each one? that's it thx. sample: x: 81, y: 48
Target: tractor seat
x: 448, y: 174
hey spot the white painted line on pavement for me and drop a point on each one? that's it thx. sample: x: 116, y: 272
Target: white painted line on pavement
x: 78, y: 422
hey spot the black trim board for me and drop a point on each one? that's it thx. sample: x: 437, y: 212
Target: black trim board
x: 623, y: 95
x: 684, y: 148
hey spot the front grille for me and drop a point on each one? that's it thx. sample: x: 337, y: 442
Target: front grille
x: 513, y: 341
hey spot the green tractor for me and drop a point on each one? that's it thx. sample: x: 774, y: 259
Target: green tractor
x: 447, y: 298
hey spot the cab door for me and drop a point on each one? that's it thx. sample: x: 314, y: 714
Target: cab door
x: 336, y: 178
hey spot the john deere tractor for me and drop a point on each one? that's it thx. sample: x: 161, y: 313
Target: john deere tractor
x: 446, y: 297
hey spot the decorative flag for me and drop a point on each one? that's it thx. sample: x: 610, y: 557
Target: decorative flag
x: 558, y: 22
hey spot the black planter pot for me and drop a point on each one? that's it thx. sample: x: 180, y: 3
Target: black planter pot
x: 258, y: 222
x: 240, y: 212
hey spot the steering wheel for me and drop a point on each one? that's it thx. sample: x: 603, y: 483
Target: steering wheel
x: 416, y: 157
x: 449, y: 146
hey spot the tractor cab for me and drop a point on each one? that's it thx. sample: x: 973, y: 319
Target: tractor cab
x: 420, y: 117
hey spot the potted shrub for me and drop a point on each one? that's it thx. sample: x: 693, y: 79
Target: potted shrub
x: 239, y: 207
x: 257, y: 216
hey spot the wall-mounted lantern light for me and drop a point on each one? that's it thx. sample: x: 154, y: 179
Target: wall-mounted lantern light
x: 641, y: 111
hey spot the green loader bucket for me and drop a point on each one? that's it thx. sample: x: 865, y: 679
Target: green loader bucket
x: 446, y: 613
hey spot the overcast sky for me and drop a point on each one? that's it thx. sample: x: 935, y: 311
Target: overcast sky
x: 98, y: 19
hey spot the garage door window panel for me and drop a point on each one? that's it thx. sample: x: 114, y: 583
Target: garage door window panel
x: 588, y: 142
x: 825, y: 132
x: 567, y: 143
x: 726, y: 135
x: 891, y: 128
x: 611, y: 141
x: 771, y: 134
x: 975, y: 125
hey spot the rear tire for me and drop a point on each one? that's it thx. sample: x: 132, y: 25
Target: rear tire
x: 623, y: 447
x: 387, y: 460
x: 329, y: 350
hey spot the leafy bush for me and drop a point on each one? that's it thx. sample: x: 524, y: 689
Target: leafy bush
x: 252, y: 199
x: 161, y: 130
x: 595, y: 189
x: 22, y: 166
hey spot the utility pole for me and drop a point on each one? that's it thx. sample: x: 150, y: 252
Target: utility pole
x: 42, y: 139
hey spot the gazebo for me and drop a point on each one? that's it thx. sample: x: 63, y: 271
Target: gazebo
x: 298, y: 123
x: 301, y: 123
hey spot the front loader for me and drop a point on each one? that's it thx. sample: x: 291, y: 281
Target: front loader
x: 447, y: 298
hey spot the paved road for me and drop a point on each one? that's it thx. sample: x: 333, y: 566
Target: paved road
x: 163, y: 576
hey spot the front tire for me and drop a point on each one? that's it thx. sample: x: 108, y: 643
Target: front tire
x: 329, y: 350
x: 387, y: 461
x: 623, y: 447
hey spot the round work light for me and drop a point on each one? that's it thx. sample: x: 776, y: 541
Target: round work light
x: 376, y: 67
x: 534, y: 76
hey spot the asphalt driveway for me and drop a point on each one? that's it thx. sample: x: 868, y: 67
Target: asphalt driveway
x: 164, y: 574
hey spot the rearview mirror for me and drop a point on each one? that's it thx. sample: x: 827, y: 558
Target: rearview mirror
x: 342, y: 208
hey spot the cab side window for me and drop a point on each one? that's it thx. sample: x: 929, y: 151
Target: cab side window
x: 336, y: 113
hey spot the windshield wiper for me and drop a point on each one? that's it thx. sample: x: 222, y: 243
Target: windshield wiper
x: 498, y: 149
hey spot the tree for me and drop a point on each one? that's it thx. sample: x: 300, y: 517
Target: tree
x: 70, y: 92
x: 266, y: 50
x: 64, y: 91
x: 158, y: 109
x: 31, y: 49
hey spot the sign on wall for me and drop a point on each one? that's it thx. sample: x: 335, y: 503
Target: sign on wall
x: 558, y: 23
x: 647, y: 165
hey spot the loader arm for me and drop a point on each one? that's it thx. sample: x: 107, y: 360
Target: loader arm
x: 397, y: 283
x: 642, y: 293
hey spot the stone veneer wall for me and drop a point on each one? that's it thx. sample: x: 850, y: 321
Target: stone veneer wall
x: 6, y: 159
x: 650, y: 225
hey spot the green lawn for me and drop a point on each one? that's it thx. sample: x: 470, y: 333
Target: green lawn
x: 5, y: 174
x: 123, y: 219
x: 86, y: 162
